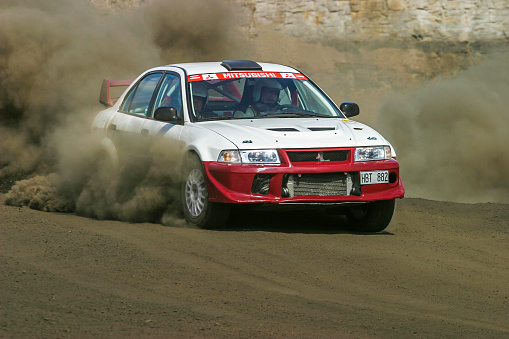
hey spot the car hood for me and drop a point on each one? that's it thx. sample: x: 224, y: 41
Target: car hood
x: 295, y: 133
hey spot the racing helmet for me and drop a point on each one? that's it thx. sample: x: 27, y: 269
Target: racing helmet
x: 267, y: 83
x: 200, y: 90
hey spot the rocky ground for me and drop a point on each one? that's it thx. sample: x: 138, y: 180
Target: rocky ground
x: 440, y: 270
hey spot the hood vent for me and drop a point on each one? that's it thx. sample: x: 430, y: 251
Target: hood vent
x: 291, y: 129
x: 318, y: 129
x: 283, y: 129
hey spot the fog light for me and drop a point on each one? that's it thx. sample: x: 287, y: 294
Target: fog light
x: 261, y: 184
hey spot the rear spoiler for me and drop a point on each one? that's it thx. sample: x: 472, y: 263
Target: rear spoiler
x: 105, y: 95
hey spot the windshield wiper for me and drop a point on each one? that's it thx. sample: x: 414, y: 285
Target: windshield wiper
x: 270, y: 115
x: 222, y: 117
x: 294, y: 115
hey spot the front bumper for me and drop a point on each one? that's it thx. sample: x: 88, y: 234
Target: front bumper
x: 326, y: 181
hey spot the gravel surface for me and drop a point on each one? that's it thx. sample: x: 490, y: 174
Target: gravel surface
x: 440, y: 270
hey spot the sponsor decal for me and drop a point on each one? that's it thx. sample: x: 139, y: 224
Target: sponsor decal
x: 210, y: 77
x: 288, y: 75
x: 238, y: 75
x: 194, y: 77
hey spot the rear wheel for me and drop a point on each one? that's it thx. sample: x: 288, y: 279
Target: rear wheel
x: 198, y: 210
x: 371, y: 217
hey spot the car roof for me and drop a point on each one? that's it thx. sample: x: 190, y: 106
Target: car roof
x: 217, y: 67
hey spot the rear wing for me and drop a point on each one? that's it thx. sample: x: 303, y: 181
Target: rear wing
x: 105, y: 97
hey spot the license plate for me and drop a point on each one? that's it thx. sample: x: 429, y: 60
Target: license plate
x: 374, y: 177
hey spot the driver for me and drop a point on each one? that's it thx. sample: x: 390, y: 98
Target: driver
x: 266, y: 97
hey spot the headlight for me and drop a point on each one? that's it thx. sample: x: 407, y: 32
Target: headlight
x: 373, y: 153
x: 250, y: 156
x: 229, y: 156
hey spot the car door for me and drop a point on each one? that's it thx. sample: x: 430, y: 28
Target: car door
x: 125, y: 129
x: 169, y: 94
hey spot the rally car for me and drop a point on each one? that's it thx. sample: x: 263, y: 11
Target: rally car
x: 255, y: 133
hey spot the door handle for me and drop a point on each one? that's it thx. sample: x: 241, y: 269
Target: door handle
x: 144, y: 132
x: 112, y: 127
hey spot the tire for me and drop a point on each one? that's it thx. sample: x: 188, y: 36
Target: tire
x: 372, y: 217
x: 197, y: 208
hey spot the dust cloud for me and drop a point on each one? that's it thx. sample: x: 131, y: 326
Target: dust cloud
x: 451, y: 134
x: 53, y: 57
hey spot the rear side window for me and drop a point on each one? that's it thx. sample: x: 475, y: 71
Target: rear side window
x: 138, y: 99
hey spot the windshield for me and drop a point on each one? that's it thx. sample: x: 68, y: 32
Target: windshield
x: 257, y: 95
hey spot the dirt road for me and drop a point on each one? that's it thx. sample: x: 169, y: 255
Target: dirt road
x: 440, y: 270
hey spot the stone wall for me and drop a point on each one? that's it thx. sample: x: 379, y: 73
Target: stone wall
x: 426, y: 20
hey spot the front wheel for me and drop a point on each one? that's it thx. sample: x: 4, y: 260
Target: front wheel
x: 198, y: 210
x: 371, y: 217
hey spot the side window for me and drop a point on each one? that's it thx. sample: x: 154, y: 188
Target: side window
x: 127, y: 101
x: 138, y: 100
x: 169, y: 94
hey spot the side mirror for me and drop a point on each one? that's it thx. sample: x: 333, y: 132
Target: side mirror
x: 167, y: 114
x: 349, y: 109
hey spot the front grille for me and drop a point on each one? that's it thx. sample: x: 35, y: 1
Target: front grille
x: 317, y: 184
x: 306, y: 156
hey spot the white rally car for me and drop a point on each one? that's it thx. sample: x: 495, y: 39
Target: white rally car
x: 256, y: 133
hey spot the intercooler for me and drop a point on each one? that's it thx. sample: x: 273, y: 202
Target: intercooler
x: 323, y: 184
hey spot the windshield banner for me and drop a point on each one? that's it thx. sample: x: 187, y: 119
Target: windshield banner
x: 239, y: 75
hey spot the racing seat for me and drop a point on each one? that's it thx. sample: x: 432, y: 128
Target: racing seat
x: 247, y: 99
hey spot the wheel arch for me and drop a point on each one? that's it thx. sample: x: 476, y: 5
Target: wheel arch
x: 109, y: 150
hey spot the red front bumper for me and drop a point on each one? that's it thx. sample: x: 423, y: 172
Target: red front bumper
x: 233, y: 183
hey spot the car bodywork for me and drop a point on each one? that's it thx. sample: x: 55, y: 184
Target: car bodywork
x: 319, y: 155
